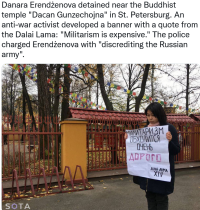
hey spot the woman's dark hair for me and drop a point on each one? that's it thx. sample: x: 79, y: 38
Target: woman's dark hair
x: 158, y: 112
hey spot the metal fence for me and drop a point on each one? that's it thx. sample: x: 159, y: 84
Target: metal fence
x: 106, y: 145
x: 106, y: 148
x: 189, y: 140
x: 27, y: 146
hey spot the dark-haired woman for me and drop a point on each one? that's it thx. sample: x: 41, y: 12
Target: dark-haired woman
x: 157, y: 191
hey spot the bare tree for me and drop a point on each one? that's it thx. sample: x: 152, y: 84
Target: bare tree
x: 43, y: 105
x: 26, y: 98
x: 108, y: 103
x: 131, y: 76
x: 143, y: 85
x: 66, y: 93
x: 187, y: 78
x: 43, y: 102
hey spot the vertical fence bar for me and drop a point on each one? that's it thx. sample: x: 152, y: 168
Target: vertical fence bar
x: 198, y: 140
x: 182, y: 141
x: 123, y: 143
x: 13, y: 146
x: 112, y: 145
x: 8, y: 146
x: 47, y: 124
x: 3, y: 156
x: 57, y: 144
x: 24, y: 142
x: 103, y: 146
x: 192, y: 144
x: 19, y: 154
x: 38, y: 136
x: 53, y: 158
x: 107, y: 143
x: 53, y: 152
x: 98, y: 143
x: 19, y: 145
x: 118, y: 143
x: 95, y: 143
x: 198, y: 137
x: 29, y: 144
x: 34, y: 145
x: 88, y: 145
x: 43, y: 146
x: 52, y: 138
x: 99, y: 146
x: 197, y: 143
x: 57, y: 141
x: 187, y: 147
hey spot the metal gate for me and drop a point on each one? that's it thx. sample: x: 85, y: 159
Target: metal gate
x: 27, y: 146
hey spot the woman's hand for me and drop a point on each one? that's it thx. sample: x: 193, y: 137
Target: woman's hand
x: 169, y: 136
x: 125, y: 136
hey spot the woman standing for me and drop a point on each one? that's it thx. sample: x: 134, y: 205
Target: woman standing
x: 157, y: 191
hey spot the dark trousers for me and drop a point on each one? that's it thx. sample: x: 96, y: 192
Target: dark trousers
x: 157, y: 201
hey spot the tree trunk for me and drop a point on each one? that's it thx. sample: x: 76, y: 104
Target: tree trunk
x: 97, y: 94
x: 56, y: 93
x: 129, y: 88
x: 152, y: 82
x: 107, y: 102
x: 55, y: 112
x: 27, y: 98
x: 11, y: 100
x: 142, y: 91
x: 66, y: 92
x: 109, y: 106
x: 128, y: 103
x: 43, y: 103
x: 50, y: 96
x: 187, y: 88
x: 7, y: 96
x: 65, y: 102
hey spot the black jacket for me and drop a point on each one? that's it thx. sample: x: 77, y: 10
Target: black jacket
x: 157, y: 186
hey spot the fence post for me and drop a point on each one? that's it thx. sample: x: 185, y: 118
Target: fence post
x: 73, y: 146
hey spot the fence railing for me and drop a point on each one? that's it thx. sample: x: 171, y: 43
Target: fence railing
x: 35, y: 144
x: 189, y: 140
x: 32, y: 143
x: 106, y: 145
x: 106, y: 148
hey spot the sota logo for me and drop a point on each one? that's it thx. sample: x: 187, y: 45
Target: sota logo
x: 17, y: 206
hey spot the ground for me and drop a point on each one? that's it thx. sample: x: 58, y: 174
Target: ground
x: 118, y: 193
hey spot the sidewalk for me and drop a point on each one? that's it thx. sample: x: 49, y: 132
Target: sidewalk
x: 95, y: 174
x: 118, y: 193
